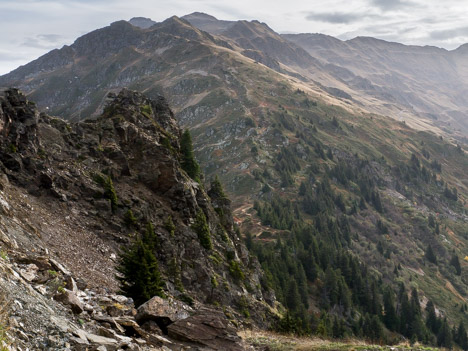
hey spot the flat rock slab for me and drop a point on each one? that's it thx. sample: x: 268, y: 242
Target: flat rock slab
x: 158, y: 308
x: 208, y: 328
x: 69, y: 298
x: 100, y: 340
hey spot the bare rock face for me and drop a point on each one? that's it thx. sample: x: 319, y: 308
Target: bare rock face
x: 208, y: 328
x: 18, y: 130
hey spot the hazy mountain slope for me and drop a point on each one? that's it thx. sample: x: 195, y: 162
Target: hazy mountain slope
x: 107, y: 59
x: 430, y: 80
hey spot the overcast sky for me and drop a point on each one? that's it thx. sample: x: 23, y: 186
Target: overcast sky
x: 31, y: 28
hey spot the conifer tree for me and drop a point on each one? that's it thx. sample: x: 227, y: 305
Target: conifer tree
x: 432, y: 321
x: 461, y: 336
x: 455, y: 262
x: 188, y: 162
x: 390, y: 318
x: 430, y: 255
x: 444, y: 337
x: 203, y: 230
x: 292, y: 296
x: 140, y: 277
x: 216, y: 188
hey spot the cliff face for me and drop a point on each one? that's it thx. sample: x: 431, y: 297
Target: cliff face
x: 82, y: 191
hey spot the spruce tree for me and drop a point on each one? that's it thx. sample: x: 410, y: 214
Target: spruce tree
x: 432, y: 322
x: 188, y: 162
x: 140, y: 277
x: 455, y: 262
x: 293, y: 299
x: 217, y: 189
x: 461, y: 336
x: 203, y: 230
x: 430, y: 255
x: 444, y: 337
x: 390, y: 318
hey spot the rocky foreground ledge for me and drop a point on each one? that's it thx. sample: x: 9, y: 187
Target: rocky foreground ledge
x: 49, y: 310
x: 61, y: 234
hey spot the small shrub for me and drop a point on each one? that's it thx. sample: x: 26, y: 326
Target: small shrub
x: 169, y: 226
x: 146, y: 110
x: 129, y: 219
x: 52, y: 273
x: 244, y: 307
x: 187, y: 299
x: 236, y: 270
x: 109, y: 190
x: 216, y: 260
x: 214, y: 282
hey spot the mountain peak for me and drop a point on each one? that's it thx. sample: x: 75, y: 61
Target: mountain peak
x: 207, y: 22
x: 199, y: 16
x: 462, y: 48
x: 142, y: 22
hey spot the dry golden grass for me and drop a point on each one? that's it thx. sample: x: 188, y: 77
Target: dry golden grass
x: 281, y: 342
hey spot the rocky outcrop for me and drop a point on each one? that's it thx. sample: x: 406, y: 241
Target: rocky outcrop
x: 163, y: 312
x: 67, y: 297
x: 208, y: 328
x: 73, y: 193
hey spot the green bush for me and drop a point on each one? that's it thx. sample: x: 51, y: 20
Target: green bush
x: 129, y: 219
x: 236, y: 270
x: 169, y: 226
x: 146, y: 110
x: 109, y: 190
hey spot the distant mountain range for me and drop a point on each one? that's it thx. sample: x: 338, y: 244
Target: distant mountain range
x: 422, y: 85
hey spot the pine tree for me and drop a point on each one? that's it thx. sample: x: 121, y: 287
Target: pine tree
x: 249, y: 241
x: 293, y: 299
x: 216, y: 188
x: 188, y: 162
x: 149, y: 237
x: 203, y: 230
x: 140, y: 277
x: 302, y: 189
x: 461, y: 336
x: 390, y: 318
x: 455, y: 262
x: 405, y: 313
x: 430, y: 255
x: 170, y: 226
x: 432, y: 322
x: 444, y: 337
